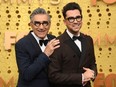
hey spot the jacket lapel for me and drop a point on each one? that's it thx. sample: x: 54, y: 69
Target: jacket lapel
x: 50, y: 37
x: 34, y: 42
x: 71, y: 44
x: 84, y: 48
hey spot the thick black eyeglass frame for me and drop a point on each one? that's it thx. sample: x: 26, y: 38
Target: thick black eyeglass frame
x: 72, y: 19
x: 38, y: 23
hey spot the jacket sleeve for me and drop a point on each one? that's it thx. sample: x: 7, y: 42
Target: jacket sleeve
x: 93, y: 64
x: 27, y: 67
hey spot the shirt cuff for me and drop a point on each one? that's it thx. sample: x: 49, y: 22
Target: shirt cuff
x: 82, y: 78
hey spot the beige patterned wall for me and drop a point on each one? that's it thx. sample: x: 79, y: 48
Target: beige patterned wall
x: 99, y: 21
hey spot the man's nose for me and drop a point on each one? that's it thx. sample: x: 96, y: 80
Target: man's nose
x: 75, y: 21
x: 41, y: 26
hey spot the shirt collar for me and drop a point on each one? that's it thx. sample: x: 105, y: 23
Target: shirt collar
x: 70, y: 34
x: 37, y: 38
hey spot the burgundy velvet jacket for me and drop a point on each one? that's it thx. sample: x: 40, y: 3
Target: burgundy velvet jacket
x: 66, y: 66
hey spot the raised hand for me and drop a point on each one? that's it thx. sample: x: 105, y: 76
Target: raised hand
x: 51, y: 46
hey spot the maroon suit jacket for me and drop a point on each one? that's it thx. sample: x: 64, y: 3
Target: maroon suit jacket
x: 66, y: 67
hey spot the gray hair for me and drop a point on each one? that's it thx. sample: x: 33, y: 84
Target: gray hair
x: 39, y: 11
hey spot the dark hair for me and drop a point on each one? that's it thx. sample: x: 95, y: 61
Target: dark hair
x: 71, y: 6
x: 39, y: 11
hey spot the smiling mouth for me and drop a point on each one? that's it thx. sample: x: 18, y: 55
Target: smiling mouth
x: 41, y: 30
x: 76, y: 25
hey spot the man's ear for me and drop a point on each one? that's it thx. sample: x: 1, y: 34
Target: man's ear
x: 30, y: 24
x: 64, y: 21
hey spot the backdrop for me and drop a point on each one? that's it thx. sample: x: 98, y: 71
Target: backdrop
x: 99, y: 21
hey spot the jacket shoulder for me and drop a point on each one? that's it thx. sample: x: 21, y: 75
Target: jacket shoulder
x: 51, y: 36
x: 86, y: 36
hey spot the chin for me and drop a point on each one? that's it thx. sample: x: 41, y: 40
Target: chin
x: 41, y: 36
x: 76, y: 30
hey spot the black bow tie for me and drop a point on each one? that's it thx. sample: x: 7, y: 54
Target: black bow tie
x: 77, y: 37
x: 43, y: 42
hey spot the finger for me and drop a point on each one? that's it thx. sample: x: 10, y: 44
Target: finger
x: 87, y: 79
x: 56, y: 43
x: 51, y: 41
x: 92, y: 71
x: 93, y: 76
x: 56, y: 46
x: 85, y: 68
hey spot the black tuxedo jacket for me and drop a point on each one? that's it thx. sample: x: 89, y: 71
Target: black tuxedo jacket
x: 31, y: 62
x: 66, y: 66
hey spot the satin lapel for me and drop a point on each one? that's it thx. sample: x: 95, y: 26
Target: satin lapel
x: 84, y: 48
x: 34, y: 42
x: 71, y: 43
x: 50, y: 37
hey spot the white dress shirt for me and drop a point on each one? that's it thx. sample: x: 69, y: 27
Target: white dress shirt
x: 77, y: 42
x: 37, y: 39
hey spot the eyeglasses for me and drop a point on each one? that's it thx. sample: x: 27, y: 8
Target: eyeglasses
x: 72, y: 19
x: 44, y: 23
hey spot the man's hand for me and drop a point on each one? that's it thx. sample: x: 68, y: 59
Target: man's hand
x: 51, y: 46
x: 88, y: 74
